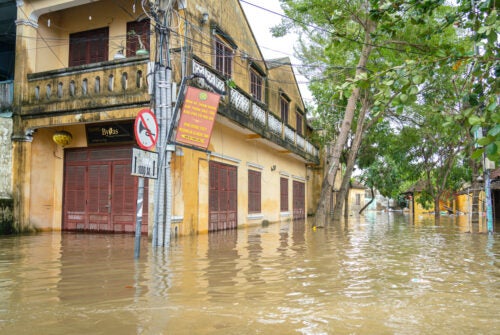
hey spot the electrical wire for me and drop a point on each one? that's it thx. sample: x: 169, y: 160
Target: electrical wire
x: 329, y: 32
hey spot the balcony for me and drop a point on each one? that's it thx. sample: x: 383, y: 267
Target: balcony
x: 99, y: 86
x: 6, y: 95
x: 241, y: 108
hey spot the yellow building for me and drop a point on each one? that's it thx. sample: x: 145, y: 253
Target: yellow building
x: 84, y: 70
x: 414, y: 193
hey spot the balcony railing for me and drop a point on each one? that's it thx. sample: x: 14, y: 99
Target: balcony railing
x: 99, y: 85
x: 256, y: 116
x: 6, y: 94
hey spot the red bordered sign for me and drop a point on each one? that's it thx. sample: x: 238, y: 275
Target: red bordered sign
x: 146, y: 129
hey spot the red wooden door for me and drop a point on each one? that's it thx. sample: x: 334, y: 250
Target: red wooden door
x: 99, y: 192
x: 99, y: 196
x: 75, y: 208
x: 223, y: 204
x: 299, y: 202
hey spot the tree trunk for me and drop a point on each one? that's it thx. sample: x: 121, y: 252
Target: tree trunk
x: 353, y: 152
x: 346, y: 202
x: 437, y: 210
x: 369, y: 202
x: 339, y: 143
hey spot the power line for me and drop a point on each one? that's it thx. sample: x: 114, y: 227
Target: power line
x: 328, y: 31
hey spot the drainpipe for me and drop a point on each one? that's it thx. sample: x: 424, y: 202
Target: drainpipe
x: 169, y: 148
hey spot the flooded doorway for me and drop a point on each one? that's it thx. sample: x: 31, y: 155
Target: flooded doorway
x: 299, y: 200
x: 99, y: 193
x: 223, y: 197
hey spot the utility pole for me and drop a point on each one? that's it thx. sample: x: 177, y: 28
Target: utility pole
x: 163, y: 108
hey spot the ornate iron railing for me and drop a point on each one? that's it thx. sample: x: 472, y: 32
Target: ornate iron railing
x: 254, y: 111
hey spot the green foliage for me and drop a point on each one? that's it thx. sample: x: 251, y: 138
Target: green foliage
x: 432, y: 80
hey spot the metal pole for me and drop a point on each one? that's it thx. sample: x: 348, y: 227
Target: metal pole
x: 489, y: 211
x: 138, y: 220
x: 168, y: 186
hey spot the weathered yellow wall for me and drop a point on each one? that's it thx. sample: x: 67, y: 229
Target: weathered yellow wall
x: 418, y: 209
x: 282, y: 80
x: 353, y: 207
x: 462, y: 203
x: 47, y: 165
x: 52, y: 51
x: 231, y: 19
x: 232, y: 148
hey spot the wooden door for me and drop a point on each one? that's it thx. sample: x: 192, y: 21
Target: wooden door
x: 223, y: 204
x: 299, y: 202
x: 99, y: 192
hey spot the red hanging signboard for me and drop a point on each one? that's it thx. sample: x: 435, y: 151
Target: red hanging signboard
x: 197, y: 118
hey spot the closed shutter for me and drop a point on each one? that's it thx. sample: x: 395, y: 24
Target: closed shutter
x: 99, y: 192
x: 135, y: 30
x: 75, y: 196
x: 254, y: 191
x: 298, y: 200
x: 223, y: 195
x: 88, y: 47
x: 283, y: 194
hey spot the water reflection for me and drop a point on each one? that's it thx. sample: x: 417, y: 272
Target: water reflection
x: 375, y: 274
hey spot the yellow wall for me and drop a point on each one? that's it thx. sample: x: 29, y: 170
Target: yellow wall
x: 463, y: 202
x: 282, y: 80
x: 233, y: 148
x: 352, y: 199
x: 47, y: 166
x: 52, y: 51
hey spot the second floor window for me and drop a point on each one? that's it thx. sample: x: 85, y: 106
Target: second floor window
x: 299, y: 123
x: 135, y: 31
x: 88, y: 47
x: 223, y: 58
x: 284, y: 106
x: 256, y: 84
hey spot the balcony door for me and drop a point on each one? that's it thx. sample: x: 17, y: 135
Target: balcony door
x: 88, y: 47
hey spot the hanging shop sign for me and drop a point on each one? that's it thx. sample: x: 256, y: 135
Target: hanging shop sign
x: 197, y: 118
x: 108, y: 133
x: 146, y: 129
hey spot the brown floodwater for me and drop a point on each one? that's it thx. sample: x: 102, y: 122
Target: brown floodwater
x: 378, y: 274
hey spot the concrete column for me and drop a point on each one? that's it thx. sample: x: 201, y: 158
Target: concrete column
x: 21, y: 181
x: 26, y: 41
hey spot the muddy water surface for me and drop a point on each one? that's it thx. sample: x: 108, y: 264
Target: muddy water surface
x: 379, y: 274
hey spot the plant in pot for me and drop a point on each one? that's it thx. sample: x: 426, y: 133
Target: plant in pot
x: 141, y: 51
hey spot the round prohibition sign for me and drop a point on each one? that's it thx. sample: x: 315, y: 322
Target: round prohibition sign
x: 146, y: 129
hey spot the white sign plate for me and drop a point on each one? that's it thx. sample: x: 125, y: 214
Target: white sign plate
x: 144, y: 163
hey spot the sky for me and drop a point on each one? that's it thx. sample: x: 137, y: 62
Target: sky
x: 271, y: 47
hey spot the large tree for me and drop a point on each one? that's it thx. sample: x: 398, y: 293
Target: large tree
x: 375, y: 46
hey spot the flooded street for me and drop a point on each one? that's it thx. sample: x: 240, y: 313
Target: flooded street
x: 378, y: 274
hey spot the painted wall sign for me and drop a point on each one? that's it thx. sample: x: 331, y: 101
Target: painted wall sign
x: 197, y: 118
x: 105, y: 133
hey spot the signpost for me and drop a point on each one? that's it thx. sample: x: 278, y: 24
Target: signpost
x: 197, y: 118
x: 146, y: 129
x: 144, y: 163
